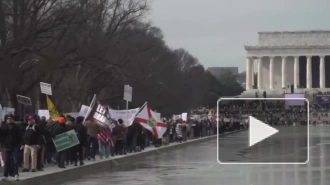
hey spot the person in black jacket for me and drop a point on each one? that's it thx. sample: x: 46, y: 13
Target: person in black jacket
x: 51, y: 128
x: 60, y: 130
x: 131, y: 137
x: 44, y: 134
x: 31, y: 144
x: 11, y: 141
x: 81, y: 132
x: 141, y: 137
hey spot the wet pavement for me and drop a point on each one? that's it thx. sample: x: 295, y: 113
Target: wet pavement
x: 197, y: 165
x: 289, y: 145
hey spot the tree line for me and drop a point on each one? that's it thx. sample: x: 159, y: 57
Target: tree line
x: 87, y: 47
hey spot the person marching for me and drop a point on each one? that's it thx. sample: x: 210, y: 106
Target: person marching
x: 12, y: 140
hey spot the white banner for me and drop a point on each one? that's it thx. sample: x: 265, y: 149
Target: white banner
x: 195, y: 117
x: 72, y: 114
x: 44, y: 112
x: 127, y: 116
x: 84, y: 110
x: 184, y: 116
x: 7, y: 111
x: 177, y: 117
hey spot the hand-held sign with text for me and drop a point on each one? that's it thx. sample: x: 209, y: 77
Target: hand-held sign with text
x: 66, y: 140
x: 99, y: 114
x: 24, y: 100
x: 128, y: 93
x: 46, y: 88
x: 128, y: 97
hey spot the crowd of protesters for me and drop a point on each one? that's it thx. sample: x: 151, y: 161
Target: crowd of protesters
x: 272, y: 112
x: 27, y: 145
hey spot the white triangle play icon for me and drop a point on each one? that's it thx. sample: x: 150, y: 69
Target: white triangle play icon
x: 259, y: 131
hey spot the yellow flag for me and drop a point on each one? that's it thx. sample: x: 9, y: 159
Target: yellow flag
x: 53, y: 113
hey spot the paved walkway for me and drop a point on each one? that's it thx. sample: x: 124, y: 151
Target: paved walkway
x: 38, y: 177
x: 54, y: 169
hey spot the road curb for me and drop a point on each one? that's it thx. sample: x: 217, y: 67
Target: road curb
x: 112, y: 164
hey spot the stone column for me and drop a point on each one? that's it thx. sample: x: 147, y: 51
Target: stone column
x: 252, y: 73
x: 248, y: 73
x: 284, y: 83
x: 309, y: 72
x: 259, y: 80
x: 296, y: 72
x: 271, y: 72
x: 322, y: 72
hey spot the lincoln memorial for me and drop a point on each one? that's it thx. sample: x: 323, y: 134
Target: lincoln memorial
x: 298, y: 59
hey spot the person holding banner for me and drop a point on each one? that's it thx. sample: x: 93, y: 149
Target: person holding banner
x: 60, y: 130
x: 120, y: 131
x: 105, y: 142
x: 92, y: 130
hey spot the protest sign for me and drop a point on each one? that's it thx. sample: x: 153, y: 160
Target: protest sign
x: 99, y: 114
x: 6, y: 111
x: 44, y: 112
x: 126, y: 115
x: 128, y: 93
x: 184, y: 116
x: 84, y: 110
x: 24, y: 100
x: 177, y: 117
x: 66, y: 140
x: 46, y: 88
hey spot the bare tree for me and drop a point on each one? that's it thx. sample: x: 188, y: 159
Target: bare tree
x: 87, y: 47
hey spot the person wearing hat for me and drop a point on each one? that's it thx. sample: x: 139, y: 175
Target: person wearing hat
x: 30, y: 144
x: 11, y: 141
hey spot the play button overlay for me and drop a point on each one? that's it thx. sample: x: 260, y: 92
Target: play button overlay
x: 275, y: 131
x: 259, y: 131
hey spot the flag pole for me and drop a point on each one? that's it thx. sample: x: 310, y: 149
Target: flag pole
x: 90, y: 108
x: 126, y: 110
x: 140, y: 109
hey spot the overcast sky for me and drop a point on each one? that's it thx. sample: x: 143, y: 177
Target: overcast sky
x: 215, y: 31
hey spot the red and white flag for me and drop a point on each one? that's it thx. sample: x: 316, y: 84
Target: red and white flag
x: 149, y: 120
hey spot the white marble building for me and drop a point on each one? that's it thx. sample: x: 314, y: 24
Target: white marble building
x: 285, y: 58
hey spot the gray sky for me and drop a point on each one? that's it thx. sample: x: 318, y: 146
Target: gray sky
x: 215, y: 31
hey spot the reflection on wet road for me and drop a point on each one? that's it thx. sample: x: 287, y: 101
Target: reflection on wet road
x: 289, y: 145
x: 196, y: 165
